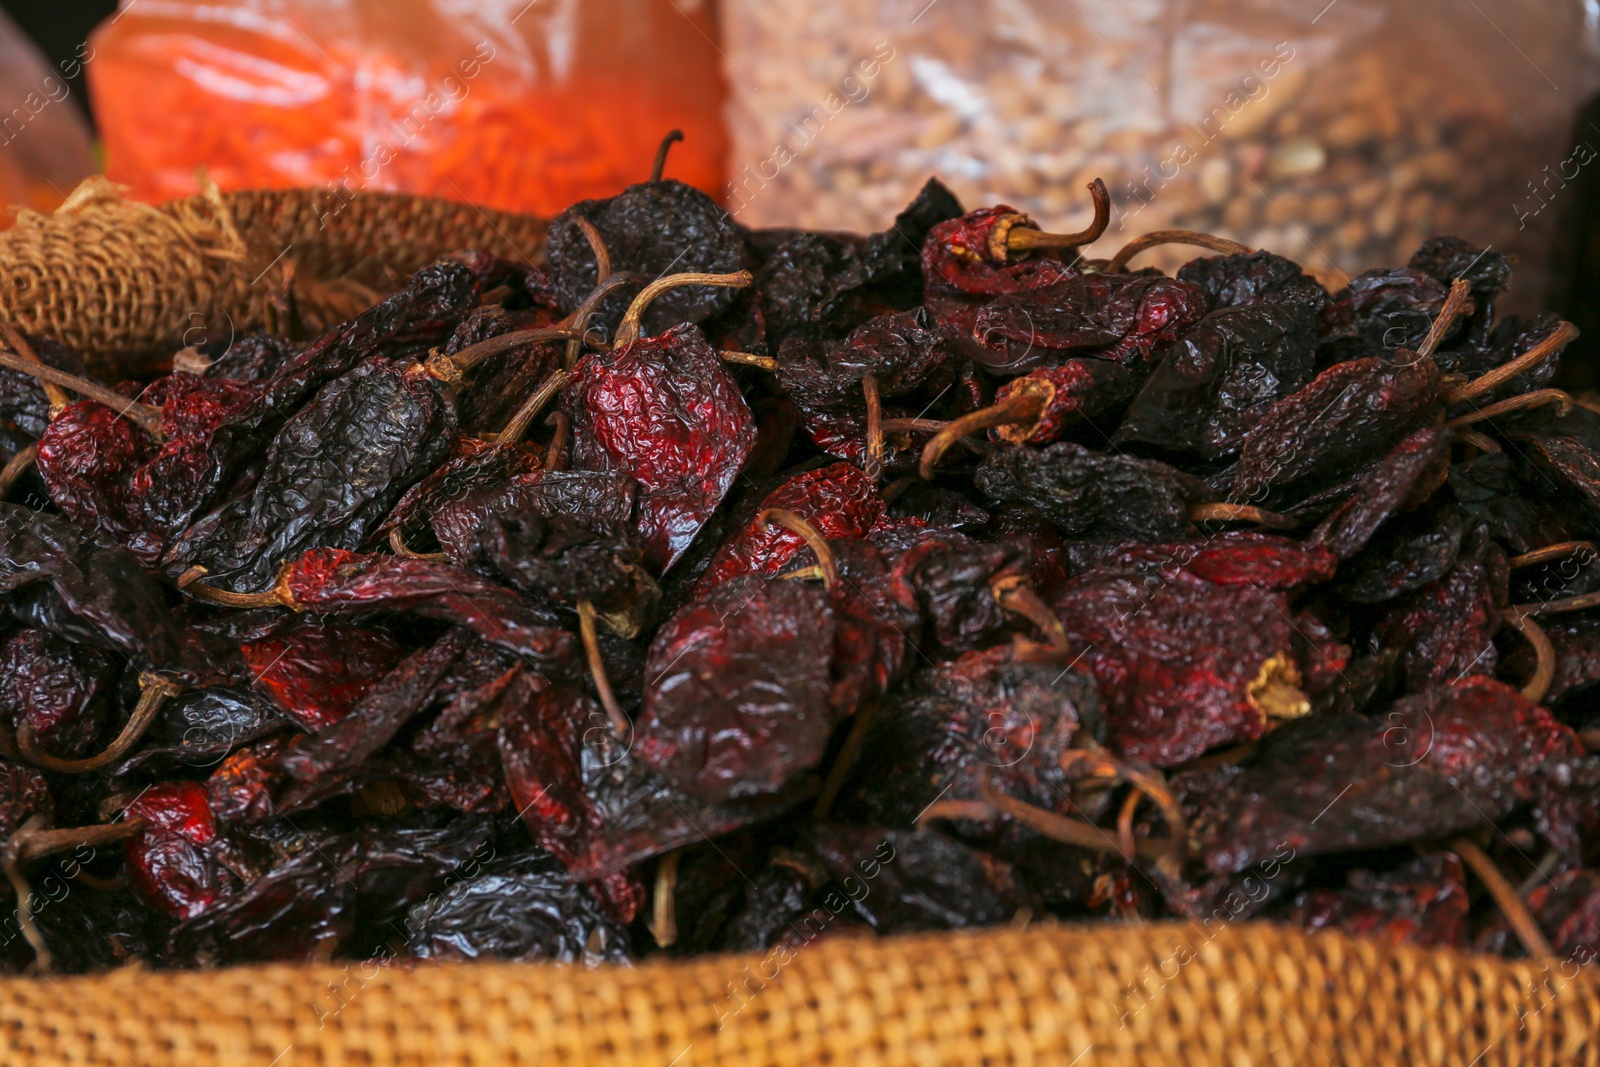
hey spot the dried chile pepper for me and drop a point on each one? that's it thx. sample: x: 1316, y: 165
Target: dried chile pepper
x: 664, y: 412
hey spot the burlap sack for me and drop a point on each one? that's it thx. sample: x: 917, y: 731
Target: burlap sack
x: 1241, y: 994
x: 127, y: 284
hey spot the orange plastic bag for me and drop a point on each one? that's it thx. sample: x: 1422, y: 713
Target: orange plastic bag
x: 511, y: 104
x: 44, y: 142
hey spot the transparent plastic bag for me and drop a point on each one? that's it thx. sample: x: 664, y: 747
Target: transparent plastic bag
x: 44, y: 142
x: 511, y: 104
x: 1340, y: 134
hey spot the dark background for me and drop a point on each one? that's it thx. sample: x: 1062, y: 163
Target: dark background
x: 59, y: 27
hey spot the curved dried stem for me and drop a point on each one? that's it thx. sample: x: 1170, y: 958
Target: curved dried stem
x: 451, y: 368
x: 532, y: 406
x: 1537, y: 398
x: 597, y: 245
x: 1016, y: 597
x: 267, y: 598
x: 1557, y: 607
x: 148, y: 418
x: 1460, y: 294
x: 1544, y: 671
x: 664, y: 901
x: 1130, y: 805
x: 1019, y: 408
x: 1224, y: 512
x: 1563, y: 336
x: 1119, y: 262
x: 1145, y: 782
x: 10, y: 860
x: 1067, y: 830
x: 660, y: 165
x: 1479, y: 440
x: 44, y: 843
x: 750, y: 359
x: 914, y: 425
x: 873, y: 466
x: 976, y: 810
x: 813, y: 537
x: 1026, y: 238
x: 16, y: 467
x: 558, y: 441
x: 54, y: 393
x: 1551, y: 553
x: 1511, y: 905
x: 621, y: 727
x: 153, y: 692
x: 397, y: 545
x: 812, y: 573
x: 628, y: 332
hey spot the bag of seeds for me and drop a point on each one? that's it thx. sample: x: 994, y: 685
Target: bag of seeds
x: 1339, y: 134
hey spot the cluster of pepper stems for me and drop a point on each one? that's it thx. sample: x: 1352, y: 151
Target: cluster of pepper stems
x: 654, y: 597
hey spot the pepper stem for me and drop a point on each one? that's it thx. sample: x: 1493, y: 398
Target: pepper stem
x: 1024, y: 238
x: 16, y: 467
x: 1537, y: 398
x: 750, y: 359
x: 524, y: 417
x: 1222, y: 512
x: 153, y: 692
x: 1511, y: 905
x: 1021, y: 408
x: 874, y: 459
x: 1016, y: 597
x: 1563, y: 336
x: 1544, y: 671
x: 397, y: 545
x: 813, y: 537
x: 660, y: 165
x: 1146, y: 782
x: 269, y: 598
x: 664, y: 902
x: 558, y: 441
x: 147, y: 417
x: 1481, y: 441
x: 54, y: 393
x: 1460, y: 293
x: 1550, y: 553
x: 42, y: 843
x: 1119, y: 262
x: 628, y: 332
x: 621, y: 727
x: 10, y: 860
x: 1063, y: 828
x: 597, y: 245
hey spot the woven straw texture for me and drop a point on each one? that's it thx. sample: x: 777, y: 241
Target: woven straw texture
x: 127, y: 284
x: 1250, y: 994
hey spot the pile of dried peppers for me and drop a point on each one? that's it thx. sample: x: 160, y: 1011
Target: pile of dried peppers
x: 706, y: 588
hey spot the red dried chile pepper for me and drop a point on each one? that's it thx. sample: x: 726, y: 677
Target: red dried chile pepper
x: 1449, y: 759
x: 173, y: 862
x: 1117, y: 317
x: 63, y: 693
x: 663, y: 411
x: 371, y: 433
x: 736, y: 698
x: 838, y: 500
x: 1183, y: 666
x: 991, y: 715
x: 1423, y: 902
x: 1348, y: 414
x: 330, y: 581
x: 591, y: 800
x: 315, y: 670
